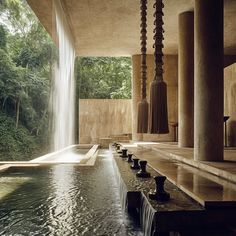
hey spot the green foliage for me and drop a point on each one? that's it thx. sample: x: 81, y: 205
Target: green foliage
x: 104, y: 77
x: 26, y: 57
x: 10, y: 77
x: 3, y: 37
x: 15, y: 144
x: 27, y: 54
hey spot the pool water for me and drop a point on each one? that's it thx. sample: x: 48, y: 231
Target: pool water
x: 65, y: 200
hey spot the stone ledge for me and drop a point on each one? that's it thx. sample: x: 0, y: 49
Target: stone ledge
x: 163, y: 213
x: 205, y: 166
x: 181, y: 213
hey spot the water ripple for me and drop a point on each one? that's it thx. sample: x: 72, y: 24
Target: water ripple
x: 66, y: 200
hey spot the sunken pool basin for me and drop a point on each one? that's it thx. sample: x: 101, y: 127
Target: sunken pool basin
x: 63, y: 199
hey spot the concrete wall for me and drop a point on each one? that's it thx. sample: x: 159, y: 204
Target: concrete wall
x: 230, y: 102
x: 99, y: 118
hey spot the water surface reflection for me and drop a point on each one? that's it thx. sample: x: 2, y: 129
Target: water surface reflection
x: 66, y: 200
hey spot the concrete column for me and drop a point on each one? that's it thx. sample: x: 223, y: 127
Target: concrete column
x: 186, y: 79
x: 136, y: 95
x: 208, y: 83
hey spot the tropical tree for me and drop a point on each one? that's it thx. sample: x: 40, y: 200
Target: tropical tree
x: 26, y: 57
x: 27, y: 54
x: 104, y: 77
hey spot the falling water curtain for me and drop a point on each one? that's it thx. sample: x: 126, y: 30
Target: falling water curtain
x: 143, y: 104
x: 158, y: 89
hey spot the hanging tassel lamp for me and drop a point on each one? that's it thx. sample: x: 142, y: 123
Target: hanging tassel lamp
x: 143, y: 104
x: 158, y: 90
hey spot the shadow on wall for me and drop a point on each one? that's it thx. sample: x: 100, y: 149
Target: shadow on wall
x: 232, y: 133
x: 232, y: 121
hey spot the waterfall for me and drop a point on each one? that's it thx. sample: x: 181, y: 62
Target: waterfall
x: 147, y: 215
x: 63, y: 91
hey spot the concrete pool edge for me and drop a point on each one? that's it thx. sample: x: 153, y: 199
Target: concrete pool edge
x: 88, y: 160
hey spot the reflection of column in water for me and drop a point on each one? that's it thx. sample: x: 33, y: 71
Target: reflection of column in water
x: 196, y: 185
x: 206, y: 189
x: 184, y: 178
x: 229, y: 192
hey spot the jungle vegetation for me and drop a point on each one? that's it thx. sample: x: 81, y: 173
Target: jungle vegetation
x: 27, y: 55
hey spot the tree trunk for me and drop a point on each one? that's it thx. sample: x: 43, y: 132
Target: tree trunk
x: 4, y: 102
x: 17, y: 111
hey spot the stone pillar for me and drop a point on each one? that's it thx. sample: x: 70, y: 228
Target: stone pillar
x: 208, y: 81
x: 186, y: 79
x: 136, y: 95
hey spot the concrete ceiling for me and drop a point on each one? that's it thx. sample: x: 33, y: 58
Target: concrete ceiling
x: 111, y: 27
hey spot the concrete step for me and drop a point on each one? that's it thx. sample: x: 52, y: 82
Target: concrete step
x: 226, y: 169
x: 120, y: 138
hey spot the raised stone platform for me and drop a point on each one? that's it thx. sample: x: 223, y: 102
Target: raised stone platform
x: 225, y: 169
x: 180, y: 214
x: 209, y: 190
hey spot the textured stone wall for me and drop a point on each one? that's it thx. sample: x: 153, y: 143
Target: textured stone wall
x: 230, y: 102
x: 99, y: 118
